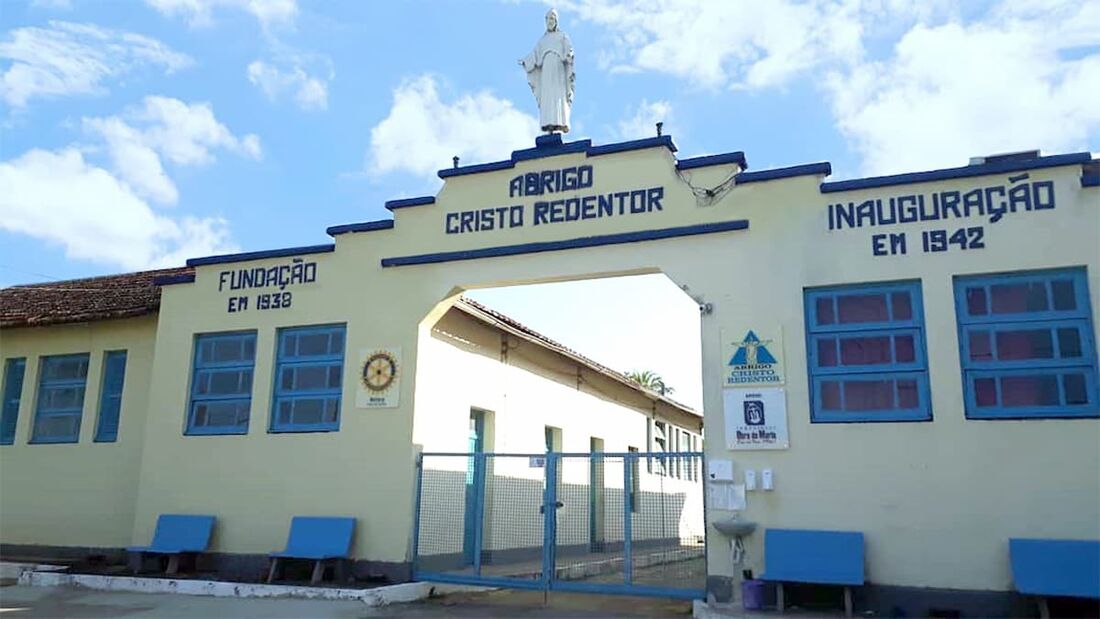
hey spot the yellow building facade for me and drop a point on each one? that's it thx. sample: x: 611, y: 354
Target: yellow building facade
x: 927, y: 341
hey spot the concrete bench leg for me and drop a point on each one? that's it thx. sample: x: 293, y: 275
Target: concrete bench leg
x: 274, y: 570
x: 318, y: 572
x: 780, y: 603
x: 847, y: 601
x: 1044, y: 608
x: 173, y: 564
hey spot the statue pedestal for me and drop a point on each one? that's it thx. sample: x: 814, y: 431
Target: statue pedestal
x: 550, y: 140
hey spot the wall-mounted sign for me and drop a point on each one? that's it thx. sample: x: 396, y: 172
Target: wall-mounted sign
x: 273, y: 281
x: 548, y: 208
x: 752, y: 357
x: 756, y: 418
x: 994, y: 201
x: 379, y: 377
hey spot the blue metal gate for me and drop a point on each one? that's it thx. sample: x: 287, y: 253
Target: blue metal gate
x: 622, y: 523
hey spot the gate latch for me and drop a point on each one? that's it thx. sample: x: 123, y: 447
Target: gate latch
x: 557, y: 504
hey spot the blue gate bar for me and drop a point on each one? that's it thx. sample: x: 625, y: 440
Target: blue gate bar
x: 479, y: 506
x: 550, y: 518
x: 628, y: 511
x: 416, y: 510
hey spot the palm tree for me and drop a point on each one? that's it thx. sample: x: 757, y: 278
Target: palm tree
x: 650, y: 380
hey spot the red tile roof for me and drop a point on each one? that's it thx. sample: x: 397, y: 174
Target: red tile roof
x: 83, y: 300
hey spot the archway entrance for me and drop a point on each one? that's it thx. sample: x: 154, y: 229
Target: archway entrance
x: 575, y: 479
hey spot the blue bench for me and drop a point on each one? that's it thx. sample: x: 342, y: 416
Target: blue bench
x: 175, y: 535
x: 815, y: 557
x: 1055, y: 567
x: 318, y: 539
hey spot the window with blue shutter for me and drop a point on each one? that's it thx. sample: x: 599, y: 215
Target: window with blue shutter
x: 309, y: 373
x: 110, y: 396
x: 866, y: 353
x: 221, y: 383
x: 13, y: 391
x: 1027, y: 345
x: 61, y: 383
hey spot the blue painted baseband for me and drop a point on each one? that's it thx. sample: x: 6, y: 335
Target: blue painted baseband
x: 260, y: 255
x: 1090, y: 180
x: 737, y: 157
x: 577, y: 243
x: 997, y: 167
x: 824, y: 168
x: 169, y: 280
x: 366, y: 226
x: 552, y: 146
x: 392, y: 205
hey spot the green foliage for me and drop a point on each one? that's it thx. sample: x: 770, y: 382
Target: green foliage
x: 650, y: 380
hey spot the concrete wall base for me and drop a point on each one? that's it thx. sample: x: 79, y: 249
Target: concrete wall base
x: 249, y: 567
x: 379, y: 596
x: 724, y: 599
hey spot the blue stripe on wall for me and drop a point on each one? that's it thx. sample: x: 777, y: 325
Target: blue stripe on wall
x: 996, y: 167
x: 259, y: 255
x: 577, y: 243
x: 799, y: 170
x: 366, y: 226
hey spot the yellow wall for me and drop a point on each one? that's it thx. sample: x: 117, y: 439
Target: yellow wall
x: 76, y: 494
x: 937, y: 501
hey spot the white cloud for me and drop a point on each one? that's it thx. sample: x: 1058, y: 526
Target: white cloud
x: 1014, y: 81
x: 137, y: 163
x: 310, y: 92
x: 422, y: 132
x: 183, y: 133
x: 199, y: 12
x: 642, y: 119
x: 58, y: 197
x: 715, y: 44
x: 911, y: 84
x: 69, y: 59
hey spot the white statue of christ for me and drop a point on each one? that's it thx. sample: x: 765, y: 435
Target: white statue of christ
x: 550, y: 73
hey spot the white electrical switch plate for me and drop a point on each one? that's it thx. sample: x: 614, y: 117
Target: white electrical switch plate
x: 750, y: 479
x: 726, y: 497
x: 737, y: 497
x: 720, y: 470
x: 767, y: 479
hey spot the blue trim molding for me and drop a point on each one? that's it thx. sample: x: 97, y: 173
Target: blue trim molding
x: 168, y: 280
x: 260, y: 255
x: 807, y: 169
x: 737, y: 157
x: 577, y: 243
x: 366, y: 226
x: 996, y: 167
x: 1090, y: 180
x: 552, y: 145
x: 392, y: 205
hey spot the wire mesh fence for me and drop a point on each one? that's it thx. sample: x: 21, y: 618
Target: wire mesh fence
x: 613, y: 522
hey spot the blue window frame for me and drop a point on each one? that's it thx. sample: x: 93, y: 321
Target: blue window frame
x: 221, y: 384
x: 309, y: 372
x: 1027, y: 345
x: 13, y: 391
x: 110, y: 396
x: 866, y: 353
x: 61, y: 383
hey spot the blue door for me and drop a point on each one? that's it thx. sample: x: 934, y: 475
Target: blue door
x: 474, y: 479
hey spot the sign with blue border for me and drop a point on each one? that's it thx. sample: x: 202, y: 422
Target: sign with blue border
x: 752, y: 357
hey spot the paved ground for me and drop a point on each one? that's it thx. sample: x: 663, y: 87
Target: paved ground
x: 17, y: 602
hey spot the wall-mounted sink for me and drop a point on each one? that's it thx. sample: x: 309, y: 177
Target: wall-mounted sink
x: 735, y: 527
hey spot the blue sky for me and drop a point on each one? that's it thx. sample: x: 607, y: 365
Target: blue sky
x: 137, y: 134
